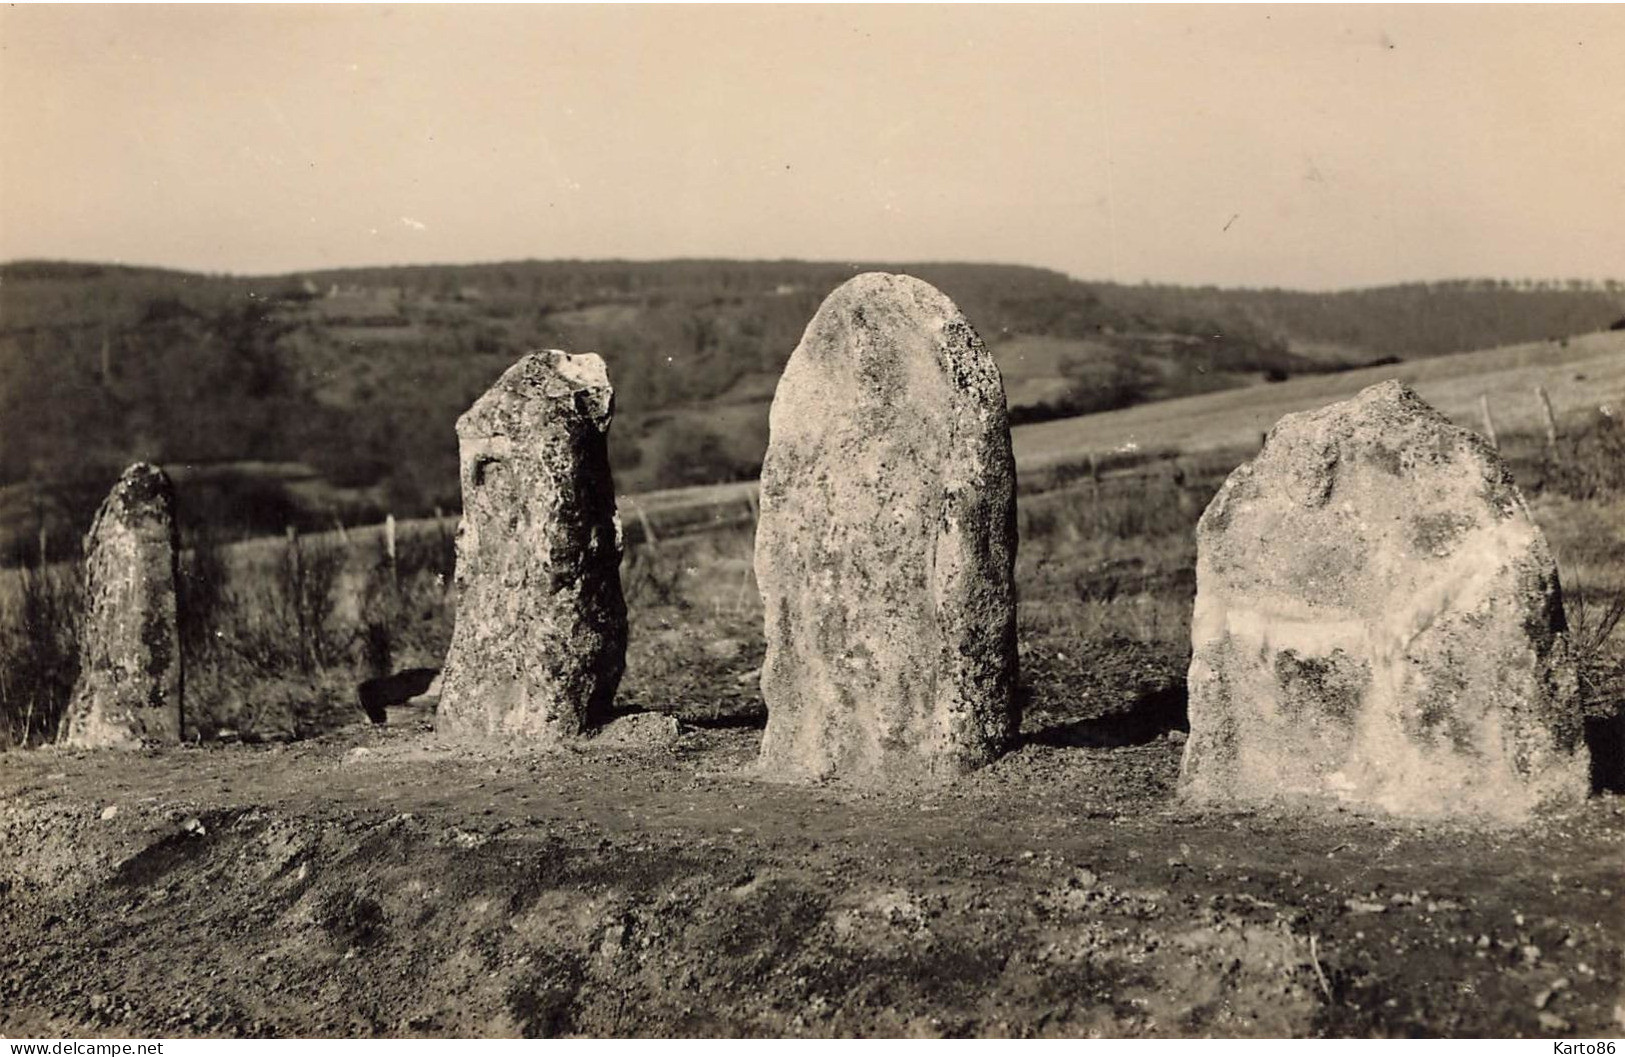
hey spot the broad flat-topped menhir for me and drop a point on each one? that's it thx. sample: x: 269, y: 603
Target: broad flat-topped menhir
x: 1378, y: 621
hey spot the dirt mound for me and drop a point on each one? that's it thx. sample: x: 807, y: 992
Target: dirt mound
x: 379, y: 883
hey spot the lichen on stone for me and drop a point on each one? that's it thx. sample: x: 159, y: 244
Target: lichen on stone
x: 886, y: 545
x: 130, y: 686
x: 1375, y: 570
x: 539, y: 643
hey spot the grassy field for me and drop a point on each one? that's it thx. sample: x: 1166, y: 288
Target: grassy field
x: 1580, y: 376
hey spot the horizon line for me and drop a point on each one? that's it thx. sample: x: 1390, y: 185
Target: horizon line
x: 1605, y: 283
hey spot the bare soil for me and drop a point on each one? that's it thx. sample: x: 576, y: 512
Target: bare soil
x: 379, y: 882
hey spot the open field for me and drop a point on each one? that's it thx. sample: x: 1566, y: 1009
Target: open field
x: 1580, y: 376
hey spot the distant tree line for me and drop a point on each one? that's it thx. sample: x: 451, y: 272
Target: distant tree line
x: 1409, y: 320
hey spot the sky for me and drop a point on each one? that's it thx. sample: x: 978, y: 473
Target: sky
x: 1315, y: 146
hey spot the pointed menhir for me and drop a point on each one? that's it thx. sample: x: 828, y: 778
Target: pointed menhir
x: 129, y: 688
x: 886, y: 547
x: 540, y: 640
x: 1378, y: 621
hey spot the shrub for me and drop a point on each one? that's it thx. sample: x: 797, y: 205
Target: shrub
x: 1590, y: 461
x: 41, y: 617
x: 694, y: 454
x: 266, y: 654
x: 651, y: 578
x: 202, y: 594
x: 280, y: 617
x: 310, y: 570
x: 1593, y: 618
x: 407, y: 607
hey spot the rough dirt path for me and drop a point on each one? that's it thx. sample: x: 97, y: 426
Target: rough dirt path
x: 416, y: 889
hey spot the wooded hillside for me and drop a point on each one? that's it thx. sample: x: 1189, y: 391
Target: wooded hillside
x: 331, y: 395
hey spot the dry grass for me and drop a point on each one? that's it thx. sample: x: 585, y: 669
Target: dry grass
x: 1580, y: 376
x: 277, y: 633
x: 40, y: 621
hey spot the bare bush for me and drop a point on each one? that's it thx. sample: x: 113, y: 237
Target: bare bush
x: 203, y: 594
x: 650, y: 577
x: 407, y: 605
x: 41, y: 617
x: 1593, y: 618
x: 1590, y: 461
x: 304, y: 600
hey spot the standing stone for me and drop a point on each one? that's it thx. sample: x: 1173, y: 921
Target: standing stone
x: 540, y: 640
x: 129, y: 688
x: 1379, y: 621
x: 886, y: 545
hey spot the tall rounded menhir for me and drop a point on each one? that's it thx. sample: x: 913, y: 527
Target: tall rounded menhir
x: 886, y: 548
x: 540, y: 640
x: 129, y: 688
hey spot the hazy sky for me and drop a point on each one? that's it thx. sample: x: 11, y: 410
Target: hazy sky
x: 1310, y: 146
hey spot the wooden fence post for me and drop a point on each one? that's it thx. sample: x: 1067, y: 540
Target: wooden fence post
x: 296, y: 586
x: 389, y: 545
x: 1551, y: 420
x: 448, y: 570
x: 649, y: 537
x: 1489, y: 423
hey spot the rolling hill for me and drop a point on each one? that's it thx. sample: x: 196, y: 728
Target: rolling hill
x: 1581, y: 376
x: 325, y: 396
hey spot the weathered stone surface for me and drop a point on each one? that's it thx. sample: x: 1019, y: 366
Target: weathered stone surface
x: 130, y: 681
x: 638, y: 732
x: 887, y: 543
x: 540, y: 640
x: 1379, y: 621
